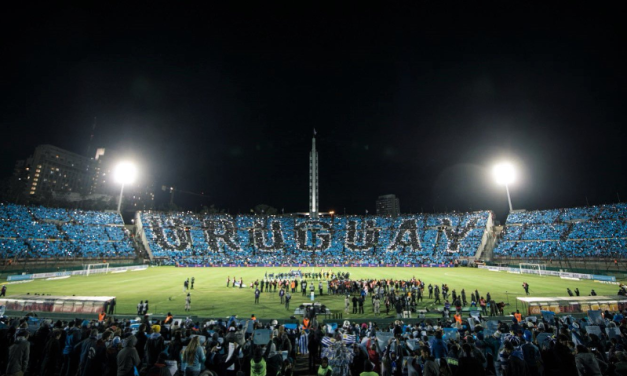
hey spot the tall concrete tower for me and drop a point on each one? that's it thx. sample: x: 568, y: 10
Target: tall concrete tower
x: 313, y: 179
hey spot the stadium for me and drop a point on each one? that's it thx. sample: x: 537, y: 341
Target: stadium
x: 70, y: 263
x: 581, y: 244
x: 311, y: 272
x: 166, y: 211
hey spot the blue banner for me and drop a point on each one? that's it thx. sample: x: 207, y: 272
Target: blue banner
x: 19, y: 277
x: 605, y: 278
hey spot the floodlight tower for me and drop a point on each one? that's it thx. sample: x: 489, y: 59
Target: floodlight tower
x: 313, y: 179
x: 505, y: 174
x: 125, y: 173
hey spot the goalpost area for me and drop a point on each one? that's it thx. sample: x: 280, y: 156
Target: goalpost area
x: 529, y: 268
x: 97, y: 268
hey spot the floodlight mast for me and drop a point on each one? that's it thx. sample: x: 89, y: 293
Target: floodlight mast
x: 125, y: 173
x: 505, y: 174
x: 509, y: 198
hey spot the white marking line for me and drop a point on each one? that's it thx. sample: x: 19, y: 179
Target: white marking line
x: 55, y: 278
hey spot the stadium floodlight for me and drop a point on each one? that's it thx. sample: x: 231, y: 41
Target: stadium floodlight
x: 125, y: 173
x: 505, y: 174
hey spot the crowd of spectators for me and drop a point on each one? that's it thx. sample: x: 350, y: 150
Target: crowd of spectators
x: 596, y: 231
x: 187, y: 238
x: 39, y: 232
x: 531, y: 346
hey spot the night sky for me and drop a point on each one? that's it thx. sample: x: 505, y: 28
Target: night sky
x: 414, y: 101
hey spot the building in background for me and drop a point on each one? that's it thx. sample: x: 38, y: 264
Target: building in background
x: 52, y: 173
x: 52, y: 169
x: 388, y: 205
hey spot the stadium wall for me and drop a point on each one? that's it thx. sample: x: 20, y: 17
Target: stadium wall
x: 554, y: 273
x: 41, y: 265
x: 25, y: 277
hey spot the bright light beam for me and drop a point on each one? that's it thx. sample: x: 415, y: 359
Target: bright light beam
x: 125, y: 173
x: 505, y: 174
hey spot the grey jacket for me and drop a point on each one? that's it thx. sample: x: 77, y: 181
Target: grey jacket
x: 430, y: 368
x: 587, y: 364
x: 128, y: 357
x: 18, y: 356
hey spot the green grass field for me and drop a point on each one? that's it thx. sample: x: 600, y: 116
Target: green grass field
x: 163, y: 287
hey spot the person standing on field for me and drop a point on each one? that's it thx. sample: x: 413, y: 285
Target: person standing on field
x: 188, y: 302
x: 111, y: 306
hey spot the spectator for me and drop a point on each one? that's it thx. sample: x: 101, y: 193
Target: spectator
x: 587, y: 364
x: 193, y: 357
x: 154, y: 345
x: 52, y: 354
x: 128, y: 359
x: 19, y: 354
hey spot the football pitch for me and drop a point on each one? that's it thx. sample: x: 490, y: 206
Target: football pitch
x: 163, y: 287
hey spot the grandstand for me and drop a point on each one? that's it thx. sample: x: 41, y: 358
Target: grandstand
x: 39, y: 233
x: 588, y: 233
x: 187, y: 238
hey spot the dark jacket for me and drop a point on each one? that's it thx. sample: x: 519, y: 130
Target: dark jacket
x: 565, y: 360
x: 52, y: 354
x: 159, y: 370
x: 587, y: 364
x: 154, y: 346
x: 142, y: 338
x: 470, y: 366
